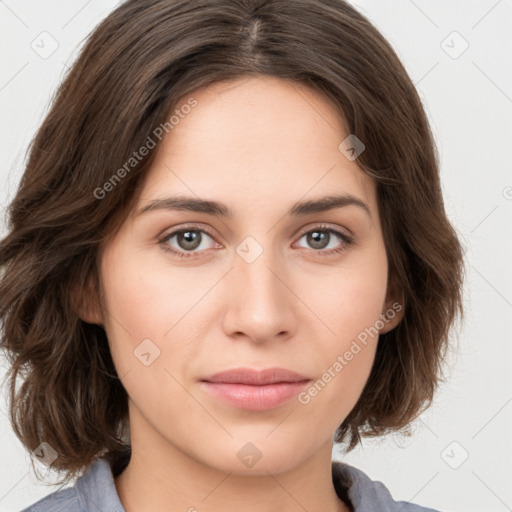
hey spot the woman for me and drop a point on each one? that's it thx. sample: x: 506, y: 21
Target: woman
x: 228, y: 250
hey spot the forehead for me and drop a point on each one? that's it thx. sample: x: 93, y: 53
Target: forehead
x: 258, y: 141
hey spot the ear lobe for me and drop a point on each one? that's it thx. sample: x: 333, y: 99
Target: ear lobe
x: 393, y: 310
x: 85, y: 303
x: 391, y: 316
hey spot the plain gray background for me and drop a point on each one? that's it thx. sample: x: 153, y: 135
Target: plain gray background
x: 458, y: 53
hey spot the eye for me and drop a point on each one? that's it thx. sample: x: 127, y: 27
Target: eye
x: 187, y: 239
x: 321, y: 237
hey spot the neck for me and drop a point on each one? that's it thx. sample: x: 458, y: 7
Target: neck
x: 165, y: 478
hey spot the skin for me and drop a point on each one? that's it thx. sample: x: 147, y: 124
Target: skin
x: 258, y: 145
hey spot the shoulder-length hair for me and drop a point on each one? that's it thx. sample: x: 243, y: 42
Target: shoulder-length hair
x: 85, y: 168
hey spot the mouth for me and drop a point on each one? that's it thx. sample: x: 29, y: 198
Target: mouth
x: 255, y: 390
x: 255, y: 377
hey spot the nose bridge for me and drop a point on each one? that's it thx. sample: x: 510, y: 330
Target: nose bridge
x: 256, y: 266
x: 260, y: 306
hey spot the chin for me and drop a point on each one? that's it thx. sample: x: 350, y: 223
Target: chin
x: 253, y: 455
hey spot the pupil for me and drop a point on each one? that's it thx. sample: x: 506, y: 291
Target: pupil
x: 191, y: 239
x: 316, y: 239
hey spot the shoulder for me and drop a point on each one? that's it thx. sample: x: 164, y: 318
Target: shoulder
x: 370, y: 495
x: 94, y: 490
x: 64, y: 500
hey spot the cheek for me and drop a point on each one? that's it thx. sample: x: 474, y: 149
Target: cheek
x: 143, y: 315
x: 144, y: 296
x: 349, y: 305
x: 136, y: 309
x: 152, y: 308
x: 349, y: 298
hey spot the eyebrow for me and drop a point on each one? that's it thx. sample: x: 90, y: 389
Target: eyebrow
x: 301, y: 208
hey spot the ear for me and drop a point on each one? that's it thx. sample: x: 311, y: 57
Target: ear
x: 85, y: 302
x: 394, y: 308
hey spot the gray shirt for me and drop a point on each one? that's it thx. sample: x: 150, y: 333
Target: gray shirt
x: 95, y: 491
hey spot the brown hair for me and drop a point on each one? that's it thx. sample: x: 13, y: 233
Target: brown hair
x: 125, y: 83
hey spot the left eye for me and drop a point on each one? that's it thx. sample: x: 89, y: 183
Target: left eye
x: 319, y: 238
x: 190, y: 239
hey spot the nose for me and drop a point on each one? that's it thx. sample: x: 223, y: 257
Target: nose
x: 260, y: 306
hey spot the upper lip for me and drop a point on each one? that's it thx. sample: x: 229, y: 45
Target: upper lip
x: 256, y: 377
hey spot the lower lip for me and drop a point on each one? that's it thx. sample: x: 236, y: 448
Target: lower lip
x: 255, y: 398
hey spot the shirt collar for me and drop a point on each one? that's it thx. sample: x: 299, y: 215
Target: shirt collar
x: 96, y: 489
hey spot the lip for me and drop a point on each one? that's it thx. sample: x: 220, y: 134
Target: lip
x: 256, y: 377
x: 255, y: 390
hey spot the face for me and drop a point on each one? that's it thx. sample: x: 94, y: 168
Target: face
x: 187, y: 294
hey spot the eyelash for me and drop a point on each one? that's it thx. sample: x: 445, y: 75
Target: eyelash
x: 183, y: 254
